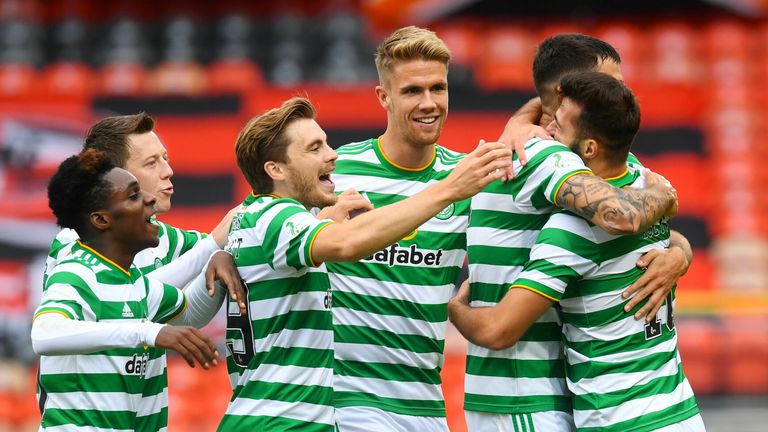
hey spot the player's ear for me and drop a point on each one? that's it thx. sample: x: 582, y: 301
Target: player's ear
x: 382, y: 96
x: 275, y: 170
x: 100, y: 220
x: 590, y: 148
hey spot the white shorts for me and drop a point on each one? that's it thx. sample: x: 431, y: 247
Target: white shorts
x: 367, y: 419
x: 693, y: 424
x: 544, y: 421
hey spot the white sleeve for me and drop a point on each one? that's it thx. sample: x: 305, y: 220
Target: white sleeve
x: 55, y: 334
x: 183, y: 269
x: 201, y: 308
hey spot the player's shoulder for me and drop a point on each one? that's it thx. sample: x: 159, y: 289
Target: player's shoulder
x: 537, y: 145
x: 446, y: 156
x: 356, y: 148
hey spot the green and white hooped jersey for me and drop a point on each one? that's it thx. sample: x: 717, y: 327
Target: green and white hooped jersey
x: 505, y: 221
x: 624, y: 374
x: 174, y: 242
x: 114, y: 389
x: 280, y: 354
x: 390, y: 309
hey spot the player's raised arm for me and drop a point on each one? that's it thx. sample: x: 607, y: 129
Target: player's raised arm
x: 371, y: 231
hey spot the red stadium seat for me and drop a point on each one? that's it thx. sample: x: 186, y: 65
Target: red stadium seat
x: 234, y: 76
x: 746, y: 355
x: 674, y: 54
x: 178, y: 78
x: 630, y: 43
x: 17, y: 79
x: 68, y: 79
x: 507, y: 59
x: 122, y: 79
x: 700, y: 345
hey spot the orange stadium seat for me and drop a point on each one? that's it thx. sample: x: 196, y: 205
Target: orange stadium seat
x: 178, y: 78
x: 727, y: 38
x: 122, y: 79
x: 700, y: 345
x: 746, y: 354
x: 674, y: 54
x: 507, y: 59
x: 68, y: 79
x: 234, y: 76
x: 17, y: 79
x: 630, y: 44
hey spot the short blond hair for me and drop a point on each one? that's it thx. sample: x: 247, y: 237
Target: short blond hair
x: 410, y: 43
x: 263, y: 139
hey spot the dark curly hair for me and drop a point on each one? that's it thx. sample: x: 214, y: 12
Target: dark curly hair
x: 78, y: 188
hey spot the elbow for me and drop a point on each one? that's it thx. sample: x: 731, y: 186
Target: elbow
x: 497, y: 338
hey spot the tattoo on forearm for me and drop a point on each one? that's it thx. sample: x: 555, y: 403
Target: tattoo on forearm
x: 615, y: 210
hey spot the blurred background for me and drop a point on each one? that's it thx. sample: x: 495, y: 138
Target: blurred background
x: 203, y: 68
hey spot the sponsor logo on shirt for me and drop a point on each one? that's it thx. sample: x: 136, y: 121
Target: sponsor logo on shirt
x: 137, y: 365
x: 396, y: 254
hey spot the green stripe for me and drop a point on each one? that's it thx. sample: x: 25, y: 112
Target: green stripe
x: 486, y: 292
x: 292, y: 356
x: 263, y: 423
x: 502, y: 220
x: 278, y: 288
x: 497, y: 255
x: 285, y: 392
x: 292, y: 320
x: 434, y: 313
x: 386, y: 371
x: 91, y: 383
x: 658, y: 386
x: 401, y: 274
x: 635, y: 342
x: 652, y: 421
x: 594, y: 368
x: 516, y: 404
x: 410, y: 407
x: 515, y: 368
x: 388, y: 339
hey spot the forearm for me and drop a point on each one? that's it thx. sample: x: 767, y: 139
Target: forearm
x: 474, y: 323
x: 201, y: 308
x: 53, y: 334
x: 677, y: 240
x: 373, y: 230
x: 615, y: 210
x: 183, y: 270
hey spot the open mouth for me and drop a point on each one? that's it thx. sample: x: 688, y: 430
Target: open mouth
x: 325, y: 179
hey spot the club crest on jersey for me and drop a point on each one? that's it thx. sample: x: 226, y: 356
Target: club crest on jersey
x: 396, y: 254
x: 295, y: 225
x: 446, y: 213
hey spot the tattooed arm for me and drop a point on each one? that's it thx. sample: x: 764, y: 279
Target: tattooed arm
x: 618, y: 211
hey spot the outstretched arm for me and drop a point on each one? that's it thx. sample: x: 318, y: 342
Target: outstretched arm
x: 615, y: 210
x: 499, y: 326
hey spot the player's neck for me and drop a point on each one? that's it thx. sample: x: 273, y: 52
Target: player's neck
x: 113, y: 251
x: 404, y: 154
x: 607, y: 170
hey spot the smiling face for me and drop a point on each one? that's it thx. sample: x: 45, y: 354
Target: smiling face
x: 148, y: 161
x: 131, y: 209
x: 415, y: 95
x: 310, y: 162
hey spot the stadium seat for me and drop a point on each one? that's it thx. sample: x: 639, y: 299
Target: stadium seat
x: 122, y: 79
x: 746, y: 354
x: 68, y: 79
x: 674, y: 54
x: 631, y: 46
x: 700, y: 345
x: 178, y: 77
x: 234, y: 76
x: 18, y: 80
x: 727, y: 38
x: 506, y: 60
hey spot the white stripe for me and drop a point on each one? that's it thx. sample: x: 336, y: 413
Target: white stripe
x: 386, y: 388
x: 303, y: 338
x: 380, y: 185
x: 302, y: 301
x: 102, y: 401
x: 153, y: 404
x: 378, y: 354
x: 263, y: 272
x: 521, y: 351
x: 493, y: 274
x: 70, y: 428
x: 503, y: 202
x: 482, y: 236
x: 298, y: 411
x: 389, y: 323
x: 607, y: 416
x: 609, y: 332
x: 449, y: 258
x: 622, y: 381
x: 97, y: 364
x: 420, y: 294
x: 65, y: 292
x: 456, y: 224
x: 298, y: 375
x: 513, y: 387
